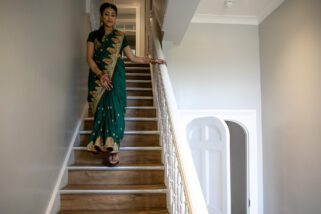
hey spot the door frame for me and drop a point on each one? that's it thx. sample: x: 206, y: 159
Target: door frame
x: 247, y: 119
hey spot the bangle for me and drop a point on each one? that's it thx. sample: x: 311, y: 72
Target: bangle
x: 100, y: 74
x: 152, y: 60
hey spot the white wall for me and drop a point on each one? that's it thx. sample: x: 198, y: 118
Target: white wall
x: 290, y: 44
x: 217, y: 66
x: 42, y: 67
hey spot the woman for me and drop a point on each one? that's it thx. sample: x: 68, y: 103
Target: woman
x: 107, y: 83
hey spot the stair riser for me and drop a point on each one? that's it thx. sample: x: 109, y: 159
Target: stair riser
x: 116, y: 177
x: 129, y: 140
x: 141, y: 113
x: 139, y: 84
x: 144, y: 211
x: 140, y: 71
x: 135, y: 113
x: 136, y: 65
x: 129, y: 125
x: 112, y: 201
x: 139, y: 102
x: 126, y: 158
x: 134, y: 77
x: 139, y: 93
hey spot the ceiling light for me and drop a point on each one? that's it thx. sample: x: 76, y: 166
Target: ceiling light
x: 228, y: 3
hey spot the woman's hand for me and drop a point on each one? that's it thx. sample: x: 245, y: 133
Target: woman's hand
x: 158, y: 61
x: 106, y: 82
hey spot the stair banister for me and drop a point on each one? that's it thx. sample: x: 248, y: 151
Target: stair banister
x: 194, y: 197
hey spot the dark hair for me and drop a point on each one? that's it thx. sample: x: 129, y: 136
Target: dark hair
x: 107, y: 5
x: 101, y: 30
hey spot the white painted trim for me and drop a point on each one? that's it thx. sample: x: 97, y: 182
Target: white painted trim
x: 138, y: 81
x: 141, y: 107
x: 138, y: 29
x: 248, y: 120
x: 54, y: 195
x: 138, y: 74
x: 242, y: 20
x: 139, y: 148
x: 137, y: 68
x: 118, y: 168
x: 139, y: 22
x: 138, y: 89
x: 127, y: 132
x: 273, y: 5
x: 139, y: 98
x: 215, y: 19
x: 87, y: 6
x: 116, y: 191
x: 129, y: 118
x: 127, y: 21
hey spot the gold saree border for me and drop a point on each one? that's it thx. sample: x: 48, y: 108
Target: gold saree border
x: 117, y: 41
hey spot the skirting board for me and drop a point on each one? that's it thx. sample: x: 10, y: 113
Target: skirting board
x: 54, y: 203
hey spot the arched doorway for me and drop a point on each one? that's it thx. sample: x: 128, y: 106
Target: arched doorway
x: 239, y: 168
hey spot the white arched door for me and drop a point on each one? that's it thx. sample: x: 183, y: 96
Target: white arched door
x: 209, y: 141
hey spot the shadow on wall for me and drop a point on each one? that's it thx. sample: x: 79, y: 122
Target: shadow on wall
x: 239, y: 171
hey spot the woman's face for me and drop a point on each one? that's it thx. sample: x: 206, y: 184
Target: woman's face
x: 109, y: 17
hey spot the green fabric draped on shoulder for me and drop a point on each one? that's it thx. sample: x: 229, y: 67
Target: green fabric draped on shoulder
x: 109, y: 107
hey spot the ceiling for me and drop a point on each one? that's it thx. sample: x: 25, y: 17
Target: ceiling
x: 241, y: 12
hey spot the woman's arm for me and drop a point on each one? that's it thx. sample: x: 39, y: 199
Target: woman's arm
x: 104, y: 79
x: 142, y: 60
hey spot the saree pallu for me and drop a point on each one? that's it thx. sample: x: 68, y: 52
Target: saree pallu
x: 109, y: 107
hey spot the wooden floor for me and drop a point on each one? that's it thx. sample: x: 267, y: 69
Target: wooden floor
x: 137, y: 184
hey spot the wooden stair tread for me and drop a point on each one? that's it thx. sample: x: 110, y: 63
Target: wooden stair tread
x: 113, y: 201
x: 120, y: 164
x: 126, y: 157
x: 131, y: 211
x: 113, y: 187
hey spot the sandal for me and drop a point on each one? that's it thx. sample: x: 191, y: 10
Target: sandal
x: 113, y: 159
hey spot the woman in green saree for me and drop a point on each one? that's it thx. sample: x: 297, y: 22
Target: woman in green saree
x: 107, y: 84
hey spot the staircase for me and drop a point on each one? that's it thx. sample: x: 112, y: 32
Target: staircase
x: 137, y: 184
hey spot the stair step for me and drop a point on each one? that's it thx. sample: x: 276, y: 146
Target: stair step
x: 138, y: 175
x: 131, y: 211
x: 138, y: 139
x: 129, y: 119
x: 114, y: 188
x: 133, y: 64
x: 142, y: 71
x: 137, y: 68
x: 128, y: 132
x: 127, y: 157
x: 140, y: 112
x: 113, y: 201
x: 131, y: 123
x: 136, y: 91
x: 138, y: 76
x: 118, y: 168
x: 136, y: 111
x: 140, y: 101
x: 139, y: 83
x: 127, y: 148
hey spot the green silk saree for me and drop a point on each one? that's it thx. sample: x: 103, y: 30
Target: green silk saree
x: 109, y: 107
